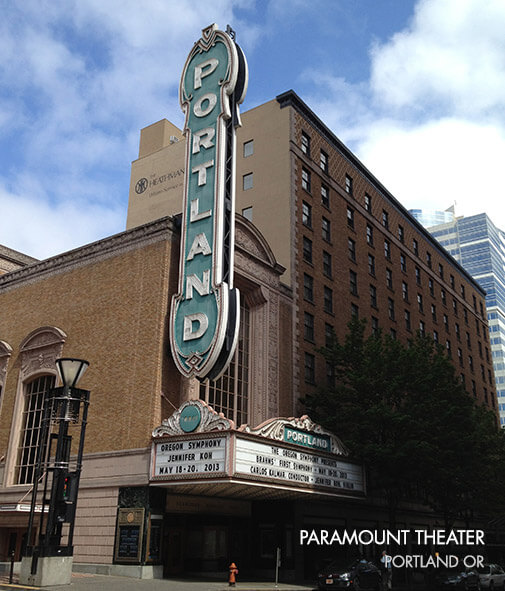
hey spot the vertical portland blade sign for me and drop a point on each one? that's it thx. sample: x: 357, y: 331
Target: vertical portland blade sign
x: 205, y: 313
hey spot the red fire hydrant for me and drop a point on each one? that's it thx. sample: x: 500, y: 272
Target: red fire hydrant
x: 233, y: 573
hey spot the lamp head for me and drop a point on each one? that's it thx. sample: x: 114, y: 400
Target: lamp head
x: 71, y: 370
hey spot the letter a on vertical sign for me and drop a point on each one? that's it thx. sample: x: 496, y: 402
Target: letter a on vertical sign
x: 205, y: 313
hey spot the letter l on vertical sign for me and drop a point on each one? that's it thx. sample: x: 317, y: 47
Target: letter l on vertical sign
x: 205, y: 313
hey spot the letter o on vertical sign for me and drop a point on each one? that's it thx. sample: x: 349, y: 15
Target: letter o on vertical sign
x: 211, y: 99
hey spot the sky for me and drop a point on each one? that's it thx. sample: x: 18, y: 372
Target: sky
x: 415, y: 88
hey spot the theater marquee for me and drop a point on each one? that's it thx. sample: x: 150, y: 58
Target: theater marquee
x: 289, y: 454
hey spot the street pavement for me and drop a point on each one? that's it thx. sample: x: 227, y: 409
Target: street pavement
x: 85, y: 582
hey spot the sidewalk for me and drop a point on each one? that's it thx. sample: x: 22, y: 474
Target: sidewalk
x: 84, y: 582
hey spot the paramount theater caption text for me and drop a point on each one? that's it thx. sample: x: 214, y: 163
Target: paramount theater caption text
x: 437, y: 539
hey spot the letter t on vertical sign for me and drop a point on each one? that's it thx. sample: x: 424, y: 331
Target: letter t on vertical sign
x: 205, y: 313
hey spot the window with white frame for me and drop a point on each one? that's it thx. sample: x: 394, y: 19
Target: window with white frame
x: 35, y: 393
x: 230, y: 393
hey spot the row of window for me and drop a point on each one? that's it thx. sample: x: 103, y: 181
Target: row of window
x: 348, y: 185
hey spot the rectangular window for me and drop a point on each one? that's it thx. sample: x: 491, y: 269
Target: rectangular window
x: 329, y: 334
x: 470, y: 362
x: 460, y: 357
x: 422, y: 328
x: 328, y: 300
x: 448, y: 347
x: 401, y: 234
x: 247, y: 212
x: 326, y: 229
x: 430, y: 287
x: 407, y: 320
x: 428, y: 259
x: 468, y: 341
x: 308, y: 287
x: 375, y: 325
x: 348, y: 184
x: 441, y: 270
x: 325, y: 196
x: 323, y: 161
x: 353, y: 282
x: 443, y: 296
x: 418, y: 276
x: 387, y: 250
x: 420, y: 302
x: 369, y: 235
x: 389, y: 278
x: 392, y: 333
x: 308, y: 325
x: 371, y: 264
x: 373, y: 296
x: 415, y: 247
x: 350, y: 217
x: 435, y: 336
x: 368, y: 203
x: 307, y: 249
x: 330, y: 374
x: 351, y: 247
x: 452, y: 281
x: 306, y: 214
x: 327, y: 264
x: 247, y: 181
x: 405, y: 291
x: 310, y: 368
x: 463, y: 291
x: 248, y: 148
x: 446, y: 323
x: 306, y: 182
x: 305, y: 144
x: 455, y: 307
x: 403, y: 263
x: 391, y: 309
x: 434, y: 312
x: 385, y: 219
x: 354, y: 311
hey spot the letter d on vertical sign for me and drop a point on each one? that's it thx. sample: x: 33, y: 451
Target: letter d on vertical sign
x: 204, y: 316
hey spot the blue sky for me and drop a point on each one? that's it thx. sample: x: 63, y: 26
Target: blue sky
x: 416, y: 88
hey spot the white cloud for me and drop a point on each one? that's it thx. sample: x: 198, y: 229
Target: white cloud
x: 430, y: 122
x: 32, y: 224
x: 446, y: 161
x: 78, y: 80
x: 451, y: 56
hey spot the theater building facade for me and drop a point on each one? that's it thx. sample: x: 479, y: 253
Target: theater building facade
x: 182, y: 476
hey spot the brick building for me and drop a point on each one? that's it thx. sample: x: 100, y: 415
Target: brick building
x: 318, y: 240
x: 348, y: 246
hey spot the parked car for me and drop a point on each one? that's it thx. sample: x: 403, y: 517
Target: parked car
x: 492, y: 576
x: 457, y: 578
x: 359, y: 575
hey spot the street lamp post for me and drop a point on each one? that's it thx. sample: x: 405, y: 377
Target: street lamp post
x: 51, y: 561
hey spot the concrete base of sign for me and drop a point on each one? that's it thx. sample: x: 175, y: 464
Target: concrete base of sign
x: 121, y: 570
x: 51, y: 570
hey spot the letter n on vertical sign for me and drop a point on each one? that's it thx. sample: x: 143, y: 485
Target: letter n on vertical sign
x: 205, y: 313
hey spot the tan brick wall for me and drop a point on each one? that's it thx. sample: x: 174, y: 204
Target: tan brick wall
x: 95, y: 525
x: 114, y: 311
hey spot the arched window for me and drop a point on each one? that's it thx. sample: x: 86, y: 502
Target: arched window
x: 29, y: 441
x: 230, y: 393
x: 37, y: 373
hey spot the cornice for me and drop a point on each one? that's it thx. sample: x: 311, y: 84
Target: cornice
x: 161, y: 229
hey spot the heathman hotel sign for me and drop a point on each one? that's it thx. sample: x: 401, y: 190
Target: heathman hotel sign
x: 205, y: 312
